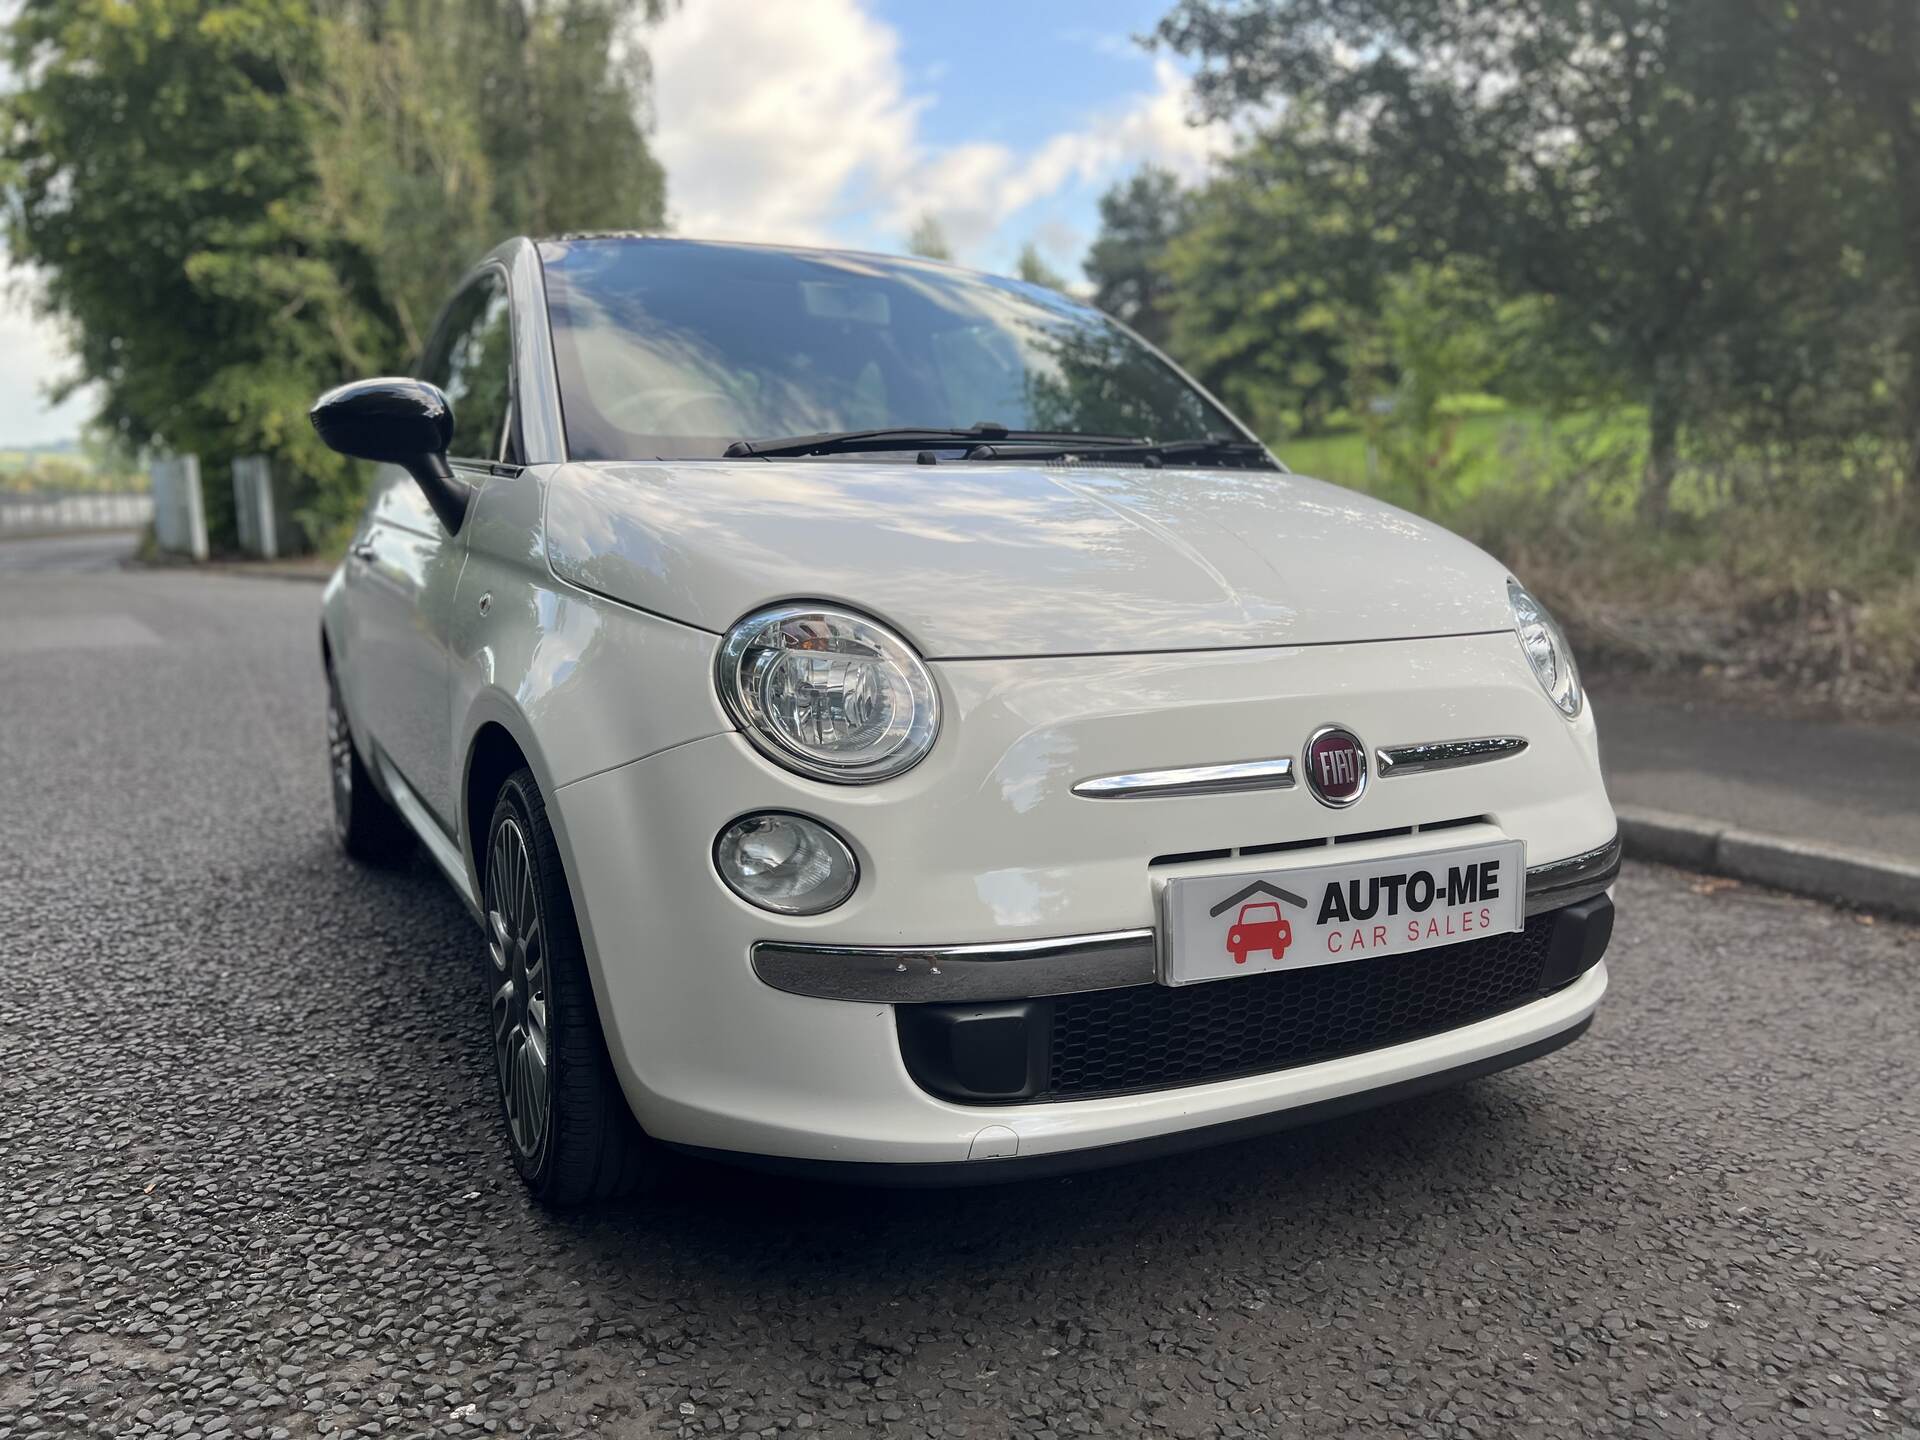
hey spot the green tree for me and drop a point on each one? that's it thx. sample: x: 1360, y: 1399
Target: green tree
x: 448, y: 125
x: 156, y: 147
x: 567, y: 149
x: 1262, y: 288
x: 401, y: 170
x: 1628, y: 159
x: 928, y: 240
x: 1032, y: 267
x: 239, y: 203
x: 1138, y: 221
x: 1862, y: 57
x: 1435, y: 337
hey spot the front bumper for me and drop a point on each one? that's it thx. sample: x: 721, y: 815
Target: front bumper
x: 1003, y: 1170
x: 985, y: 844
x: 1070, y: 965
x: 1152, y: 1037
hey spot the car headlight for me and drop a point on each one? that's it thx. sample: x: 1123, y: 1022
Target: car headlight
x: 828, y: 693
x: 1546, y: 649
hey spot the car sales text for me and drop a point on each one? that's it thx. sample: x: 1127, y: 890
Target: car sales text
x: 1417, y: 893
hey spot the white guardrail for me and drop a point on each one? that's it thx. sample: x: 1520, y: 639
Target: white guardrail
x: 53, y: 513
x: 179, y: 511
x: 175, y: 507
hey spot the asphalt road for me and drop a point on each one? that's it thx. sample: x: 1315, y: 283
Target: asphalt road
x: 1856, y: 785
x: 250, y: 1182
x: 82, y: 552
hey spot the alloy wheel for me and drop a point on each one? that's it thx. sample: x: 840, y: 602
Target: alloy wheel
x: 517, y: 948
x: 339, y: 758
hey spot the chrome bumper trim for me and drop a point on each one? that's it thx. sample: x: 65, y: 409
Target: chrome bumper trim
x: 907, y: 975
x: 1275, y: 774
x: 1445, y: 754
x: 1576, y: 878
x: 1032, y: 969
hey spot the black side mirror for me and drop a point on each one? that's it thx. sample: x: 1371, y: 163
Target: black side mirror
x: 401, y: 422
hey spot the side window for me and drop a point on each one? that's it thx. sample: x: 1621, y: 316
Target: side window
x: 470, y: 358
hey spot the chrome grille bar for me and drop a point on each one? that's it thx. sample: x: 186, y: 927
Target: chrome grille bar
x: 1275, y: 774
x: 1445, y: 754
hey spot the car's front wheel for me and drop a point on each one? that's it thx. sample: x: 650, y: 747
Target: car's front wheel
x: 573, y: 1138
x: 367, y: 827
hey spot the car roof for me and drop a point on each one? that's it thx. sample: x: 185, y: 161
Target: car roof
x: 654, y: 237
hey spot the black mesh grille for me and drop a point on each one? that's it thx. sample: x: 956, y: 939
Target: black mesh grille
x: 1150, y: 1037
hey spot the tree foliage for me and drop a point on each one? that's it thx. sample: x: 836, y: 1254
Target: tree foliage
x: 1710, y: 207
x: 1138, y: 220
x: 1857, y: 63
x: 1033, y: 268
x: 929, y: 240
x: 237, y: 203
x: 1433, y: 337
x: 154, y: 145
x: 1262, y: 287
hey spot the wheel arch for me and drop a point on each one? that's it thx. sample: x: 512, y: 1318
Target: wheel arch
x: 492, y: 757
x: 495, y: 749
x: 497, y: 740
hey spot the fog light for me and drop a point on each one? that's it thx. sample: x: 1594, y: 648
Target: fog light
x: 785, y: 863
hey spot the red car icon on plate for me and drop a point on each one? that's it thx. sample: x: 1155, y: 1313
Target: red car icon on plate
x: 1260, y: 927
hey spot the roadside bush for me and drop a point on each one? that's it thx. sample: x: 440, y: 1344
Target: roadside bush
x: 1797, y: 576
x: 1890, y: 633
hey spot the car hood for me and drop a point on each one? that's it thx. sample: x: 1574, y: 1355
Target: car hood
x: 976, y: 560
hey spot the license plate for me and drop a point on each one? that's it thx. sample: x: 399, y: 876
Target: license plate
x: 1220, y: 926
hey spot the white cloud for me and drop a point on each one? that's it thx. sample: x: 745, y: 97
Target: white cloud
x: 976, y: 189
x: 774, y: 118
x: 820, y: 141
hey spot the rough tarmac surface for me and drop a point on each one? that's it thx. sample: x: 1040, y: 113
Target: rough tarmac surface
x: 83, y: 551
x: 251, y: 1181
x: 1850, y: 784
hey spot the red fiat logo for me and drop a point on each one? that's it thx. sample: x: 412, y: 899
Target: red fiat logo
x: 1336, y: 764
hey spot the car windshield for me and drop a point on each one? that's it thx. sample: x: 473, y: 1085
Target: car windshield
x: 675, y: 349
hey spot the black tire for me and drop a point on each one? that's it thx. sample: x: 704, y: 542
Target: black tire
x: 572, y: 1136
x: 367, y: 827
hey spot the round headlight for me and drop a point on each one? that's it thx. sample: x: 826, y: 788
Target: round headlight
x: 828, y: 693
x: 785, y: 863
x: 1546, y: 649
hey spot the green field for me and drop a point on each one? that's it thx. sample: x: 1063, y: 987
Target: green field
x: 1494, y: 446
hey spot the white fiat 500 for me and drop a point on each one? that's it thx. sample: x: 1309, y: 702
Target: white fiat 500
x: 889, y: 722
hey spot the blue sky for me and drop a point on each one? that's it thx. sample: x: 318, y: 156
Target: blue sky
x: 841, y: 122
x: 1005, y: 71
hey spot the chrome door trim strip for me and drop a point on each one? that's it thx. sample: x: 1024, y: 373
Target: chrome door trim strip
x: 917, y: 974
x: 1275, y: 774
x: 1445, y: 754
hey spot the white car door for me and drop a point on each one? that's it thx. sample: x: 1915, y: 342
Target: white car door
x: 403, y: 568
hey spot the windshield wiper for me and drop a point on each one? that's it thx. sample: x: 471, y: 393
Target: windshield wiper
x: 1220, y: 451
x: 909, y: 438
